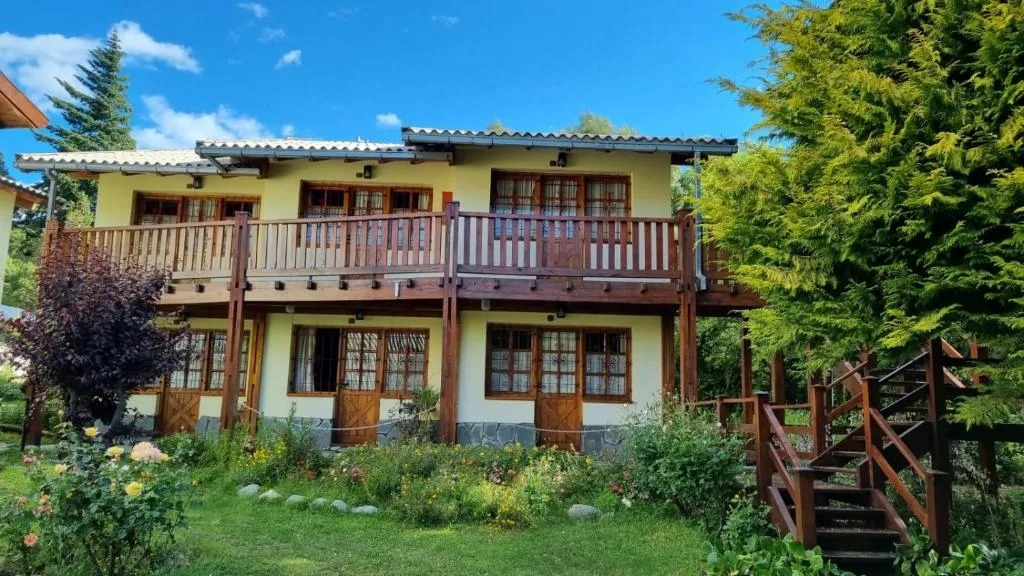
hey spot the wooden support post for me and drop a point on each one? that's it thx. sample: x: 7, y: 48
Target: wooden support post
x: 803, y: 509
x: 871, y: 358
x: 722, y: 412
x: 35, y: 407
x: 746, y: 376
x: 937, y: 406
x: 819, y: 418
x: 939, y: 495
x: 986, y: 447
x: 688, y: 346
x: 450, y: 329
x: 779, y: 383
x: 668, y: 357
x: 872, y: 433
x: 236, y: 320
x: 762, y: 435
x: 254, y: 377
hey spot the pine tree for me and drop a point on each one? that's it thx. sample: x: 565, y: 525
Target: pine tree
x: 892, y: 214
x: 97, y: 117
x: 590, y: 123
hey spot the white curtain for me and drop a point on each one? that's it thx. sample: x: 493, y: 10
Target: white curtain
x: 305, y: 349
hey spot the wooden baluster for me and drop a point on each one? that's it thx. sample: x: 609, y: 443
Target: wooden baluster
x: 540, y: 256
x: 648, y: 228
x: 415, y: 243
x: 622, y: 235
x: 762, y: 437
x: 746, y: 375
x: 468, y: 223
x: 503, y: 248
x: 778, y: 381
x: 659, y: 236
x: 675, y: 232
x: 517, y: 239
x: 986, y: 447
x: 937, y: 406
x: 819, y: 418
x: 873, y: 440
x: 939, y: 496
x: 440, y: 255
x: 635, y: 237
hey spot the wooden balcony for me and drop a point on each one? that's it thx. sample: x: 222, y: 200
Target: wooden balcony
x: 418, y: 256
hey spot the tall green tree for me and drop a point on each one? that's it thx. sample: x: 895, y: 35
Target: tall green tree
x: 893, y: 213
x: 96, y: 117
x: 3, y: 166
x: 497, y: 127
x: 590, y: 123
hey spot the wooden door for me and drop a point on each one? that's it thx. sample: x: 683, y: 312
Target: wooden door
x: 561, y: 244
x: 358, y: 406
x: 179, y: 410
x: 559, y: 408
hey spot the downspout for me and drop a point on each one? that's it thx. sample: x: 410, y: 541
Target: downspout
x: 698, y: 261
x: 51, y: 196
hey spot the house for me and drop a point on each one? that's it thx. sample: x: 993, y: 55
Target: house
x: 534, y: 279
x: 16, y: 111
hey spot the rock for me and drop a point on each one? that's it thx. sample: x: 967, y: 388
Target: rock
x: 364, y: 510
x: 248, y: 491
x: 295, y: 500
x: 319, y: 503
x: 339, y: 505
x: 583, y: 512
x: 270, y: 495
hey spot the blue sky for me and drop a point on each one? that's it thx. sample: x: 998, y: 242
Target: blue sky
x: 347, y: 69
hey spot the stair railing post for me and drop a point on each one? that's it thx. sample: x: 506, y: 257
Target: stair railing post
x: 746, y: 375
x: 987, y: 447
x: 939, y: 495
x: 819, y: 418
x: 803, y: 504
x: 873, y: 440
x: 722, y: 412
x: 762, y: 435
x: 937, y: 406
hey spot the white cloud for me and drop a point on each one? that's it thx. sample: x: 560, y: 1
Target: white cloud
x: 287, y: 130
x: 171, y: 128
x: 35, y: 62
x: 342, y: 12
x: 388, y: 120
x: 258, y: 10
x: 289, y: 58
x: 271, y: 34
x: 446, y: 20
x: 138, y: 45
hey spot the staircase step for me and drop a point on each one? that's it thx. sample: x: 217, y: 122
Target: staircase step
x: 834, y: 470
x: 828, y: 514
x: 862, y: 562
x: 853, y: 532
x: 859, y: 539
x: 852, y: 454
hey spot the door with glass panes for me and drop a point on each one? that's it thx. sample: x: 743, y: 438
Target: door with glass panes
x: 559, y: 405
x: 358, y: 408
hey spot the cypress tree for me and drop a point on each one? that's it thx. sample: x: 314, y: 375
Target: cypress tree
x: 892, y: 212
x: 96, y: 117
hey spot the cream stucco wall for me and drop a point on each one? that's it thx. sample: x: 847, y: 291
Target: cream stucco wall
x: 274, y: 398
x: 6, y: 220
x: 473, y: 406
x: 469, y: 179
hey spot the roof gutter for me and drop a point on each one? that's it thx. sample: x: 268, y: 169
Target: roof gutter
x: 567, y: 143
x: 94, y: 168
x: 285, y: 153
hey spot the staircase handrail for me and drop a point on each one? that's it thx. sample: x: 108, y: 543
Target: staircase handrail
x: 905, y: 366
x: 779, y: 431
x: 853, y: 371
x: 951, y: 351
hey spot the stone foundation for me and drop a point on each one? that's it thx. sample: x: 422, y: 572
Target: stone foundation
x: 495, y: 434
x: 602, y: 441
x: 319, y: 428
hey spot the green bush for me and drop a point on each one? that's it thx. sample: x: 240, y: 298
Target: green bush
x: 746, y: 520
x: 430, y: 501
x: 107, y: 512
x: 997, y: 521
x: 919, y: 559
x: 687, y: 460
x: 765, y: 555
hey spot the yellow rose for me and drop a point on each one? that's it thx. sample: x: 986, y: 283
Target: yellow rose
x: 60, y: 468
x: 91, y: 432
x: 164, y: 457
x: 115, y: 452
x: 133, y: 489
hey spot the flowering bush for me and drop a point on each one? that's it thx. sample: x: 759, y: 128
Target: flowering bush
x: 103, y: 511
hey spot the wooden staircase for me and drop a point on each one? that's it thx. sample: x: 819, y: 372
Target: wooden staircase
x: 883, y: 422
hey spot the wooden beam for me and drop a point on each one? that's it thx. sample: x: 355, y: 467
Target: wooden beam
x: 450, y: 334
x: 746, y: 375
x: 668, y: 357
x: 236, y: 320
x: 779, y: 383
x: 937, y: 406
x: 986, y: 447
x: 688, y: 346
x: 254, y: 377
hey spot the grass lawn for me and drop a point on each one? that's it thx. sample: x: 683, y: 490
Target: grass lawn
x: 230, y: 536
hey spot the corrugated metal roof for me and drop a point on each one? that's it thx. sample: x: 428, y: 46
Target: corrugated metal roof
x: 23, y: 188
x: 307, y: 144
x: 159, y: 161
x: 410, y: 133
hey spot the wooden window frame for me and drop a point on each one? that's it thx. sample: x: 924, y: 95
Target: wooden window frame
x: 182, y: 200
x: 348, y: 194
x: 380, y: 369
x: 535, y: 362
x: 204, y: 372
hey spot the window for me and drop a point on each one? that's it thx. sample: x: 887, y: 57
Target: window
x: 403, y: 201
x: 393, y: 362
x: 524, y: 361
x: 605, y: 363
x: 327, y: 200
x: 510, y: 357
x: 565, y: 195
x: 166, y: 209
x: 204, y: 358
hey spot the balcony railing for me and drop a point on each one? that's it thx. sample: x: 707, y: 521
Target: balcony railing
x: 428, y: 243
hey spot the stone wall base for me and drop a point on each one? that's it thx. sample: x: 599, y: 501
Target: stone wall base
x: 597, y: 440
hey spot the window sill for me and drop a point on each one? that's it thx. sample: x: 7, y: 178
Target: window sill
x: 312, y: 394
x: 510, y: 396
x: 608, y: 399
x: 146, y: 392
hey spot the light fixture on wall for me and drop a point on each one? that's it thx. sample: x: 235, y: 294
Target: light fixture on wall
x: 289, y: 309
x: 560, y: 313
x: 366, y: 174
x: 485, y: 305
x: 196, y: 183
x: 360, y: 315
x: 561, y: 161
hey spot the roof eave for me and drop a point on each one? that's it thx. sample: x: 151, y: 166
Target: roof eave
x: 94, y: 168
x: 715, y: 149
x: 284, y: 153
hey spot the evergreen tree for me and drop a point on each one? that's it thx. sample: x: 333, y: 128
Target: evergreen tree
x: 590, y: 123
x: 98, y: 117
x: 497, y: 127
x: 893, y: 213
x: 3, y: 166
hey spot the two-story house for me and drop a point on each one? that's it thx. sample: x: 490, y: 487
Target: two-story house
x: 534, y: 279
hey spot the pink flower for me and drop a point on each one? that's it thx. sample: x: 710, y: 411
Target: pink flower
x: 26, y: 459
x: 30, y: 539
x: 22, y: 500
x: 147, y: 453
